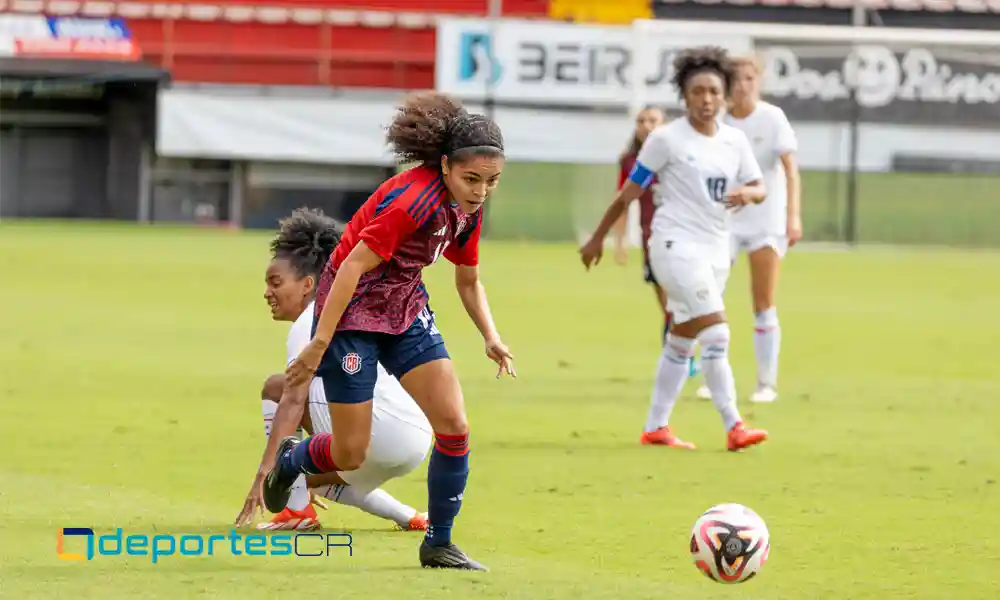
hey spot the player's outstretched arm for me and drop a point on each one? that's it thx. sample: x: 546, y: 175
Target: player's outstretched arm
x: 653, y: 156
x: 361, y: 260
x: 592, y: 250
x: 473, y: 295
x: 286, y: 420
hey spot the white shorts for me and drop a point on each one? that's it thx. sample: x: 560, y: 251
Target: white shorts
x: 751, y: 243
x: 398, y: 445
x: 693, y: 276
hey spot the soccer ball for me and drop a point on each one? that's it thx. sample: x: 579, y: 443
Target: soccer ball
x: 730, y: 543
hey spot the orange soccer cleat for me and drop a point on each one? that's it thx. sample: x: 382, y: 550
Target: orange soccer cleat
x: 740, y: 437
x: 292, y: 520
x: 664, y: 437
x: 417, y: 523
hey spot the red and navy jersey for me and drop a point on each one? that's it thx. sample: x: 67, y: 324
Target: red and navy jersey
x: 409, y: 223
x: 646, y: 204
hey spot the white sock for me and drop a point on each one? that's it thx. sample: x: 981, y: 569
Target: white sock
x: 299, y: 499
x: 671, y: 374
x: 718, y: 372
x: 378, y: 502
x: 767, y: 346
x: 268, y: 407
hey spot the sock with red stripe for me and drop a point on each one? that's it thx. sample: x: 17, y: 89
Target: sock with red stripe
x: 767, y: 346
x: 447, y: 475
x: 312, y: 456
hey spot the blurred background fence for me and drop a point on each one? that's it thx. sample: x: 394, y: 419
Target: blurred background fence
x: 229, y: 113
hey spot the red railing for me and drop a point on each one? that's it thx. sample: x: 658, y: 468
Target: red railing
x: 288, y: 42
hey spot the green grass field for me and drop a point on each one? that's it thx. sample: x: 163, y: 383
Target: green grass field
x: 132, y: 360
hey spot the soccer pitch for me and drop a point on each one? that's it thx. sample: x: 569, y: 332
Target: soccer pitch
x: 133, y: 359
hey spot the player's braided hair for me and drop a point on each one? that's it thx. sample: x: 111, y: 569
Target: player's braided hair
x: 306, y: 239
x: 430, y: 125
x: 693, y: 61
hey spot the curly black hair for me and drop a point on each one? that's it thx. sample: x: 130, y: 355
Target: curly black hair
x: 693, y: 61
x: 430, y: 125
x: 306, y: 239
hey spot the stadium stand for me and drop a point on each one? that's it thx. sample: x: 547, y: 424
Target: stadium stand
x: 335, y: 43
x: 600, y: 11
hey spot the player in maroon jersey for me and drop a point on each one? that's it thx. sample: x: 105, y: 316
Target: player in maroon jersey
x: 371, y: 307
x: 648, y: 119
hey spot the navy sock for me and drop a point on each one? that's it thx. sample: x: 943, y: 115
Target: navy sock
x: 311, y: 456
x: 447, y: 475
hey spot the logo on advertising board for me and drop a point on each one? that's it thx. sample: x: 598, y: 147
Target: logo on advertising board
x: 556, y: 63
x: 476, y: 59
x: 916, y: 84
x: 77, y: 38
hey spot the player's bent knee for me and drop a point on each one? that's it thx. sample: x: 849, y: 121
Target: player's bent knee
x: 694, y: 327
x: 273, y: 387
x: 714, y: 341
x: 452, y: 425
x: 349, y: 457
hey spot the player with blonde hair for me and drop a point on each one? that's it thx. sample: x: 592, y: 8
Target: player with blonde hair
x: 766, y: 231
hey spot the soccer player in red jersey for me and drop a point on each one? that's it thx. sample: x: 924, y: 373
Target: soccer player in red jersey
x: 372, y: 307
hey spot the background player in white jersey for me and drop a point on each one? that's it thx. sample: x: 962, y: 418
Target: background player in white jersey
x: 766, y: 231
x: 704, y: 169
x: 401, y: 434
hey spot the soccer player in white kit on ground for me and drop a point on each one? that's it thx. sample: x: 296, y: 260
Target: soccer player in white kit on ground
x: 705, y: 169
x: 401, y: 434
x: 765, y: 232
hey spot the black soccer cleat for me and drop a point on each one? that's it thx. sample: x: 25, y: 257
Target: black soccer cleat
x: 447, y: 557
x: 278, y: 484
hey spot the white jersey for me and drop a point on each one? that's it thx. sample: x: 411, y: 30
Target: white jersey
x: 390, y: 397
x: 695, y: 171
x: 770, y: 136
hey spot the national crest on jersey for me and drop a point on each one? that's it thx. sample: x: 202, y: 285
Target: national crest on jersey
x: 351, y: 363
x: 410, y: 224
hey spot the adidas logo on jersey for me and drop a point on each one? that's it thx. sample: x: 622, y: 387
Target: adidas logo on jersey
x: 443, y: 231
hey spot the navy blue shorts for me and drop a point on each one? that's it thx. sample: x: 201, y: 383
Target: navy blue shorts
x: 350, y: 365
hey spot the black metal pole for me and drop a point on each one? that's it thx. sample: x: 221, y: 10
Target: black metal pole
x: 859, y: 19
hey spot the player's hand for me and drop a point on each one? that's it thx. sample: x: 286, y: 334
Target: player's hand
x: 500, y: 354
x: 254, y: 501
x: 794, y: 231
x: 317, y: 501
x: 737, y: 199
x: 304, y: 366
x: 591, y: 252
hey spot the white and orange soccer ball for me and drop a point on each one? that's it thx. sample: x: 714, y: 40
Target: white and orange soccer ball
x: 730, y: 543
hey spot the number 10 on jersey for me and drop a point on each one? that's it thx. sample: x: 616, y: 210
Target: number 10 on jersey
x: 716, y: 188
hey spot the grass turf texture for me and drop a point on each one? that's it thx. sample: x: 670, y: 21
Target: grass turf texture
x: 133, y: 358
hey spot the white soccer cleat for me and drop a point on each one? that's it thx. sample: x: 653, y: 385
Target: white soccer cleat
x: 764, y: 393
x: 704, y: 393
